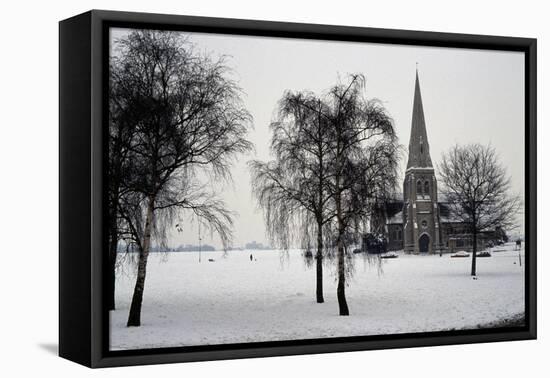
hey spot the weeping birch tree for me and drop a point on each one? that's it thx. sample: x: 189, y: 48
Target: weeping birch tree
x: 292, y: 188
x: 364, y: 156
x: 336, y: 157
x: 190, y: 122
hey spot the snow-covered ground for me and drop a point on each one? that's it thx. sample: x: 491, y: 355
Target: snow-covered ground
x: 234, y: 300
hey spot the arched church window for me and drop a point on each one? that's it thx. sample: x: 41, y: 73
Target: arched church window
x: 427, y: 188
x: 419, y: 187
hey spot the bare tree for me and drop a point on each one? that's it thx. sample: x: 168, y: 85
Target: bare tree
x: 292, y: 188
x: 478, y: 190
x: 336, y: 156
x: 364, y: 160
x: 189, y: 120
x: 123, y: 116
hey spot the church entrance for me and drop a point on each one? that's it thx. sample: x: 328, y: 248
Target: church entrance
x: 424, y: 243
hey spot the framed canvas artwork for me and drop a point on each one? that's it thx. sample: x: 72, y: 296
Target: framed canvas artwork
x: 235, y: 188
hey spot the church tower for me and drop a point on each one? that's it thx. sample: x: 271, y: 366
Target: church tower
x: 420, y: 210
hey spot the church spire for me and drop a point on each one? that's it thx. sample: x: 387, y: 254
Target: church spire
x: 419, y: 149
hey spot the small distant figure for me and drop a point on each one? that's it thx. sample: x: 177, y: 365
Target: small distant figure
x: 251, y: 257
x: 211, y: 260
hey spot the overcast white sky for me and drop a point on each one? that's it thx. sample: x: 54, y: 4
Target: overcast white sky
x: 468, y: 96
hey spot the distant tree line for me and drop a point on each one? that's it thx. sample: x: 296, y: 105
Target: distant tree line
x: 257, y: 246
x: 180, y: 248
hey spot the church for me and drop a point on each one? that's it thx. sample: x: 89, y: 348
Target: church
x: 420, y: 222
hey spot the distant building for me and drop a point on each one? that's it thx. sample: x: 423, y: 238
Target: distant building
x: 419, y: 222
x: 194, y: 248
x: 254, y: 245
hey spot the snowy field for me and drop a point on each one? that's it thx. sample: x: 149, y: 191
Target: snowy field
x: 234, y: 300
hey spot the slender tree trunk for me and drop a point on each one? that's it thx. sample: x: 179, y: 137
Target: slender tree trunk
x: 341, y: 289
x: 474, y: 252
x: 113, y: 218
x: 113, y: 244
x: 319, y: 290
x: 134, y: 317
x: 319, y: 257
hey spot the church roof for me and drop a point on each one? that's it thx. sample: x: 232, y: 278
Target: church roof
x: 396, y: 218
x: 419, y: 149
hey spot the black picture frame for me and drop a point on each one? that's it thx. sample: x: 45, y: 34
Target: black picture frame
x: 83, y: 319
